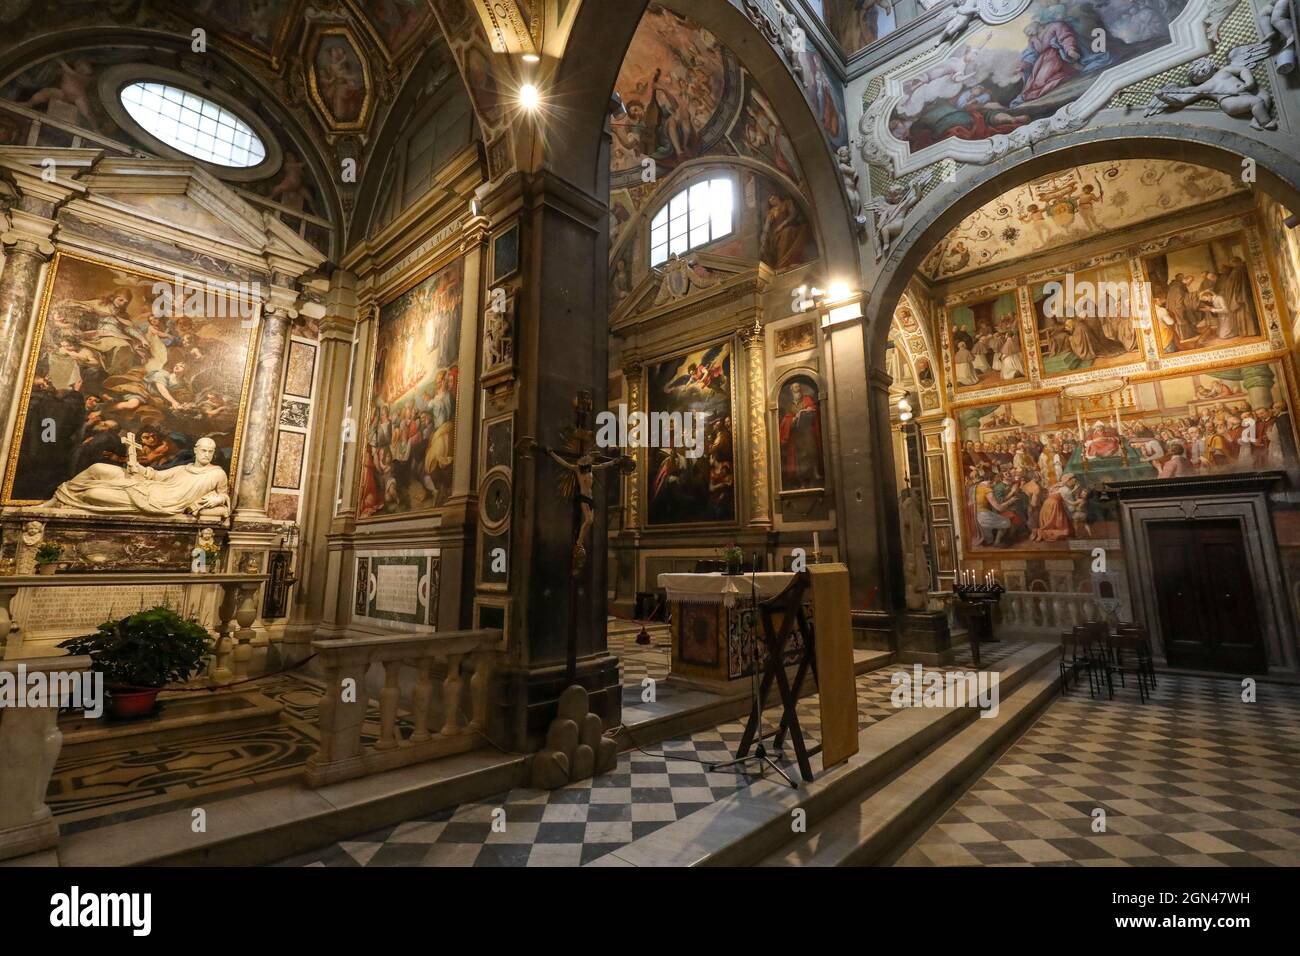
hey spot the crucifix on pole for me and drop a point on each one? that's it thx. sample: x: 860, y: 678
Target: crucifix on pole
x: 579, y: 461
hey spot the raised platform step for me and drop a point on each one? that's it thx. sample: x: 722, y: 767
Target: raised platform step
x: 752, y: 824
x: 178, y: 719
x: 864, y: 832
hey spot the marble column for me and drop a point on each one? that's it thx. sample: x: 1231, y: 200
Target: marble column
x: 760, y: 508
x: 263, y: 411
x: 19, y: 290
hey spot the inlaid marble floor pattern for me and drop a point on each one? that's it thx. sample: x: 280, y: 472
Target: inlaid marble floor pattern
x: 1194, y: 777
x: 650, y: 788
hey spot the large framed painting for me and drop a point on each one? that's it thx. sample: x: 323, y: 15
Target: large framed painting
x: 799, y: 435
x: 1203, y: 296
x: 1090, y: 319
x: 103, y: 366
x: 1032, y: 470
x: 988, y: 349
x: 859, y: 23
x: 410, y: 432
x: 694, y: 481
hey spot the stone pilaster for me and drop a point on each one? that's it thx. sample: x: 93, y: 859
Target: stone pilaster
x: 26, y: 252
x: 760, y: 502
x: 263, y: 409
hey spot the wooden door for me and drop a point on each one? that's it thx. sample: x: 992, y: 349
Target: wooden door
x: 1205, y: 596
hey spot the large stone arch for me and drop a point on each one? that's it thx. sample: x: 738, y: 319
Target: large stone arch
x: 584, y: 82
x: 944, y: 207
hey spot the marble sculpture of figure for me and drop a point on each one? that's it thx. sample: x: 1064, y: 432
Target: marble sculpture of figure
x: 1232, y: 86
x: 199, y: 489
x: 891, y: 210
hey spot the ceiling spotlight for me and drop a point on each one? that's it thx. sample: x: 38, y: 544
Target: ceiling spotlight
x: 530, y: 97
x: 532, y: 58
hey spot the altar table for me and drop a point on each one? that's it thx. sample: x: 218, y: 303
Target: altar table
x: 714, y: 626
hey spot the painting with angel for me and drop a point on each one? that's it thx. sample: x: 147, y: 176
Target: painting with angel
x: 106, y: 364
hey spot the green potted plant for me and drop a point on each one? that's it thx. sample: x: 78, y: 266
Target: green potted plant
x: 47, y: 558
x: 734, y: 558
x: 140, y: 654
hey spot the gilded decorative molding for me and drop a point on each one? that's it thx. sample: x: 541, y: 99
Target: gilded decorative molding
x: 760, y: 509
x: 632, y: 372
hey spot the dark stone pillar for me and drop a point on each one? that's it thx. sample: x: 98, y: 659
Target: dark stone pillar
x: 561, y: 343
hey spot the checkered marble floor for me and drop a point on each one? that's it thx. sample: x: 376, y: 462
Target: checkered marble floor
x: 650, y: 788
x: 1195, y: 777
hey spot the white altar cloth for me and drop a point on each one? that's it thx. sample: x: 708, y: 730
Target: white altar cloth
x: 717, y: 588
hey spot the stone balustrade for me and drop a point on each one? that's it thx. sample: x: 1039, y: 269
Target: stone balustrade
x: 235, y: 616
x: 1045, y: 614
x: 438, y: 727
x: 30, y: 741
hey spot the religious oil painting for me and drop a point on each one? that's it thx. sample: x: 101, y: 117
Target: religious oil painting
x: 996, y: 79
x: 397, y: 24
x: 1090, y: 319
x: 104, y: 367
x: 680, y: 87
x: 340, y: 82
x: 799, y: 423
x: 1033, y: 471
x: 987, y: 347
x: 1203, y: 297
x: 859, y: 23
x: 258, y: 25
x: 410, y: 431
x: 794, y: 338
x: 691, y: 477
x: 698, y: 633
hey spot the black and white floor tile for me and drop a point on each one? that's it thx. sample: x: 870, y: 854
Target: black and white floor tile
x: 1194, y: 777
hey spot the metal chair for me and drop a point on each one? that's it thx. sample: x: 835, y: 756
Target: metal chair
x: 1141, y: 649
x: 1076, y: 656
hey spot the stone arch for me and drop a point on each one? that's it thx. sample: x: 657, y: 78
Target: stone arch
x: 946, y: 205
x: 689, y: 170
x: 583, y: 84
x: 255, y: 94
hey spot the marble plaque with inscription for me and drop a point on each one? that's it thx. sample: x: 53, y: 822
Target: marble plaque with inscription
x: 398, y: 588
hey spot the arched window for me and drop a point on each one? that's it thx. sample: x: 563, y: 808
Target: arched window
x: 193, y: 124
x: 694, y: 217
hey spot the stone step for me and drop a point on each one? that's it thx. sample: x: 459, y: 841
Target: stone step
x: 752, y: 824
x: 864, y: 832
x: 178, y: 720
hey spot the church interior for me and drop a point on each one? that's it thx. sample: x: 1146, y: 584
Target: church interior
x: 564, y: 433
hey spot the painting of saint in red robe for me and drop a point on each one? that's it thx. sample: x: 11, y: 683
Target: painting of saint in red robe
x: 801, y: 435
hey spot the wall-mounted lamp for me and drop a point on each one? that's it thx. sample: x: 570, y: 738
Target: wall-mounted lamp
x: 530, y: 97
x: 904, y: 410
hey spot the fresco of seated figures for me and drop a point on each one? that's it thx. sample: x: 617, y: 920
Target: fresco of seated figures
x: 1032, y: 470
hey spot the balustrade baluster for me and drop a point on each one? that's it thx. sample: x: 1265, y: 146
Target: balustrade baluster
x: 423, y: 700
x: 388, y: 733
x: 451, y: 697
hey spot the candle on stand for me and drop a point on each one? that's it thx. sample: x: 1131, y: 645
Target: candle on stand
x: 817, y: 544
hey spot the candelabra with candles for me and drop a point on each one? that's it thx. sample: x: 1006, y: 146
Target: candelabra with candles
x: 976, y: 599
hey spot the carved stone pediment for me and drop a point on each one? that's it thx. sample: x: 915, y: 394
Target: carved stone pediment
x: 687, y: 283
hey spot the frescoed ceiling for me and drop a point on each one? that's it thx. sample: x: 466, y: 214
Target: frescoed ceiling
x: 1070, y: 206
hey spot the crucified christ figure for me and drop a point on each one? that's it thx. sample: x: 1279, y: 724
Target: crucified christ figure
x: 580, y: 480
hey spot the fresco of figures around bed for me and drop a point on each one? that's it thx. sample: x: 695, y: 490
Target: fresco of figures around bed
x: 410, y: 429
x: 1032, y: 470
x: 106, y: 366
x: 996, y: 79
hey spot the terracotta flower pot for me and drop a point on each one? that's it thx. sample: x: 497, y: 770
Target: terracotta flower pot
x: 133, y: 702
x: 47, y: 568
